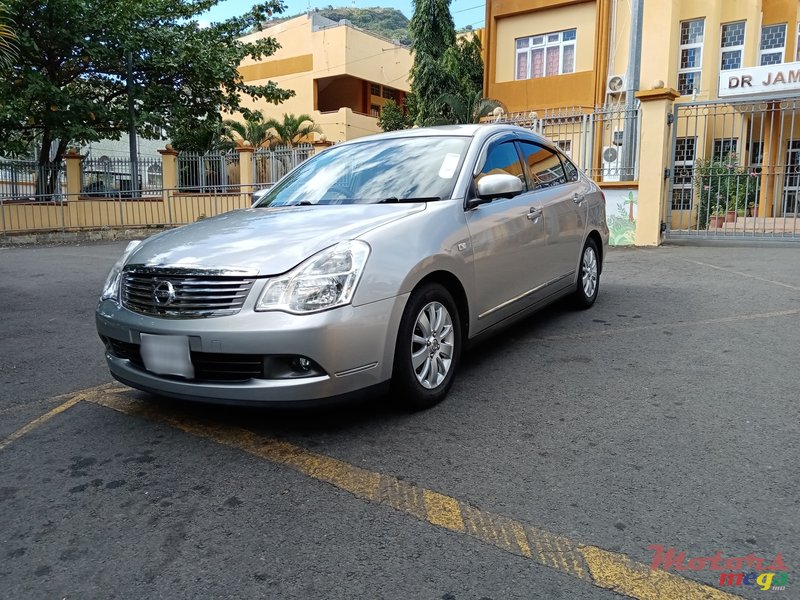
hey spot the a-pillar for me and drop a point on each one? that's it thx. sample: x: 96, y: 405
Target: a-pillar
x: 655, y: 141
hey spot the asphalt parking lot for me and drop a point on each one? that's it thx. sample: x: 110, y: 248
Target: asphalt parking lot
x: 666, y: 415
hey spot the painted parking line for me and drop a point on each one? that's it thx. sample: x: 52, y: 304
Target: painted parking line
x: 590, y: 564
x: 70, y: 400
x: 741, y: 274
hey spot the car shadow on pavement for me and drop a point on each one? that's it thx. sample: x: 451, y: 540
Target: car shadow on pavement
x: 344, y: 415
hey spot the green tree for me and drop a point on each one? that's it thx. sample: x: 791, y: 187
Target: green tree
x: 7, y: 40
x: 464, y: 60
x: 254, y: 129
x: 292, y: 129
x: 392, y: 117
x: 432, y: 33
x: 469, y: 107
x: 68, y: 84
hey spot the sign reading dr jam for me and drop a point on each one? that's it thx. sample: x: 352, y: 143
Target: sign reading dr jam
x: 760, y: 81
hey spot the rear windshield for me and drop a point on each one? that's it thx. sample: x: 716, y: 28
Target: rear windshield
x: 387, y: 170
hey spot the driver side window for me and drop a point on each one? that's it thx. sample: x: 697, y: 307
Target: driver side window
x: 502, y: 158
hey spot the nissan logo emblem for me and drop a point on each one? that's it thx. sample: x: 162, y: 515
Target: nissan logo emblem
x: 164, y: 293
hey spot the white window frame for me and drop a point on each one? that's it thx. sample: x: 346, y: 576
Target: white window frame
x: 689, y: 46
x: 782, y: 50
x: 685, y: 165
x: 797, y: 45
x: 740, y: 48
x: 544, y: 45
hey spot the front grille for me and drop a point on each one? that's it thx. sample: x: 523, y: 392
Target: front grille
x: 208, y: 366
x: 185, y: 293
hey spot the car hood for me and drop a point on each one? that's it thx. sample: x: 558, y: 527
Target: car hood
x: 267, y: 240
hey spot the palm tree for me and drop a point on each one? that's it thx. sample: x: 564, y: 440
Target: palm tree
x: 255, y: 130
x: 468, y: 108
x: 8, y: 49
x: 293, y: 129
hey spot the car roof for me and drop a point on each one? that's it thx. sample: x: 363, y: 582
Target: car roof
x: 477, y: 130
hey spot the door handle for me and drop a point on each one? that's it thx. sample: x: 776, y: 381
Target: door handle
x: 578, y: 198
x: 534, y: 213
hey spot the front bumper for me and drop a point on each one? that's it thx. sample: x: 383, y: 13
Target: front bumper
x: 354, y: 346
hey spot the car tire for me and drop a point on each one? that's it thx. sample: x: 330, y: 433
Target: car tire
x: 426, y: 358
x: 588, y: 283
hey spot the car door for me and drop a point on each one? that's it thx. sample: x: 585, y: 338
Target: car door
x: 562, y: 198
x: 505, y: 234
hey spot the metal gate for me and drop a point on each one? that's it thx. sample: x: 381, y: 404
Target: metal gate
x: 735, y: 170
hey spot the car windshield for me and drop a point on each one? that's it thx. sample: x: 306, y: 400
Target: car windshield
x: 370, y: 172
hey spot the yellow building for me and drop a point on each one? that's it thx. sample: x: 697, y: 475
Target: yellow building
x: 341, y: 75
x: 734, y: 63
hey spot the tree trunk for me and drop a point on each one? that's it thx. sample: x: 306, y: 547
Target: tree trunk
x: 48, y: 171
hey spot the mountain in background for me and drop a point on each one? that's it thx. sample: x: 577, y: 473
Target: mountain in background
x: 386, y: 22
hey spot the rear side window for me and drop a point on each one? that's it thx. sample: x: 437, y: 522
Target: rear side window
x: 502, y: 158
x: 570, y: 169
x: 543, y: 166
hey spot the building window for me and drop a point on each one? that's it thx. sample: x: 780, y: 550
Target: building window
x: 724, y: 147
x: 690, y: 57
x: 546, y: 55
x: 389, y: 94
x: 732, y: 46
x: 375, y: 111
x: 773, y: 44
x: 684, y: 167
x: 375, y: 90
x: 565, y: 146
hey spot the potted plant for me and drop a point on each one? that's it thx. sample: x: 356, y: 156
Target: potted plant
x: 717, y: 216
x: 721, y: 185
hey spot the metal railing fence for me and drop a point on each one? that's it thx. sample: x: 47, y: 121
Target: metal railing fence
x: 270, y: 164
x: 104, y: 177
x: 735, y: 170
x: 162, y: 208
x: 28, y: 179
x: 200, y: 172
x: 602, y: 141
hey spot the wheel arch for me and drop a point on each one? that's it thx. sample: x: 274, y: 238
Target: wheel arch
x: 595, y: 235
x: 453, y: 285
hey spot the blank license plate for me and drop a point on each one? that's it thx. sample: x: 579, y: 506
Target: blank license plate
x: 167, y: 355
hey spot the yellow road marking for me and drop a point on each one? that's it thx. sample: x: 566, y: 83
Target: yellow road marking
x: 599, y: 567
x: 22, y: 431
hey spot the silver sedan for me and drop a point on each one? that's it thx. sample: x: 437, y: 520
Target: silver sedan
x: 369, y: 266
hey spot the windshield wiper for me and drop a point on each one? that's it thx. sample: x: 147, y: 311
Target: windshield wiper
x: 396, y: 200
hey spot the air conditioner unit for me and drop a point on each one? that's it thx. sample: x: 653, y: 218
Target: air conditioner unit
x: 615, y: 84
x: 611, y: 162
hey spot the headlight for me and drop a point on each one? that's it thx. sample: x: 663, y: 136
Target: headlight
x: 111, y: 286
x: 326, y: 280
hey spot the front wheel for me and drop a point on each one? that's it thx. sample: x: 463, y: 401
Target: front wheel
x: 589, y: 277
x: 428, y: 347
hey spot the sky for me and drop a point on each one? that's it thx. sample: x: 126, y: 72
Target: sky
x: 465, y: 12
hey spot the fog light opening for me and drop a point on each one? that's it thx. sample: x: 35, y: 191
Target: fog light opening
x: 290, y: 367
x: 301, y: 364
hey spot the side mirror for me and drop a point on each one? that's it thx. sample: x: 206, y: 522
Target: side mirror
x: 498, y: 185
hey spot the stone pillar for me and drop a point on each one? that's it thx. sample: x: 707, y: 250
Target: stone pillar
x: 246, y: 175
x: 655, y: 140
x: 169, y: 177
x: 73, y: 160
